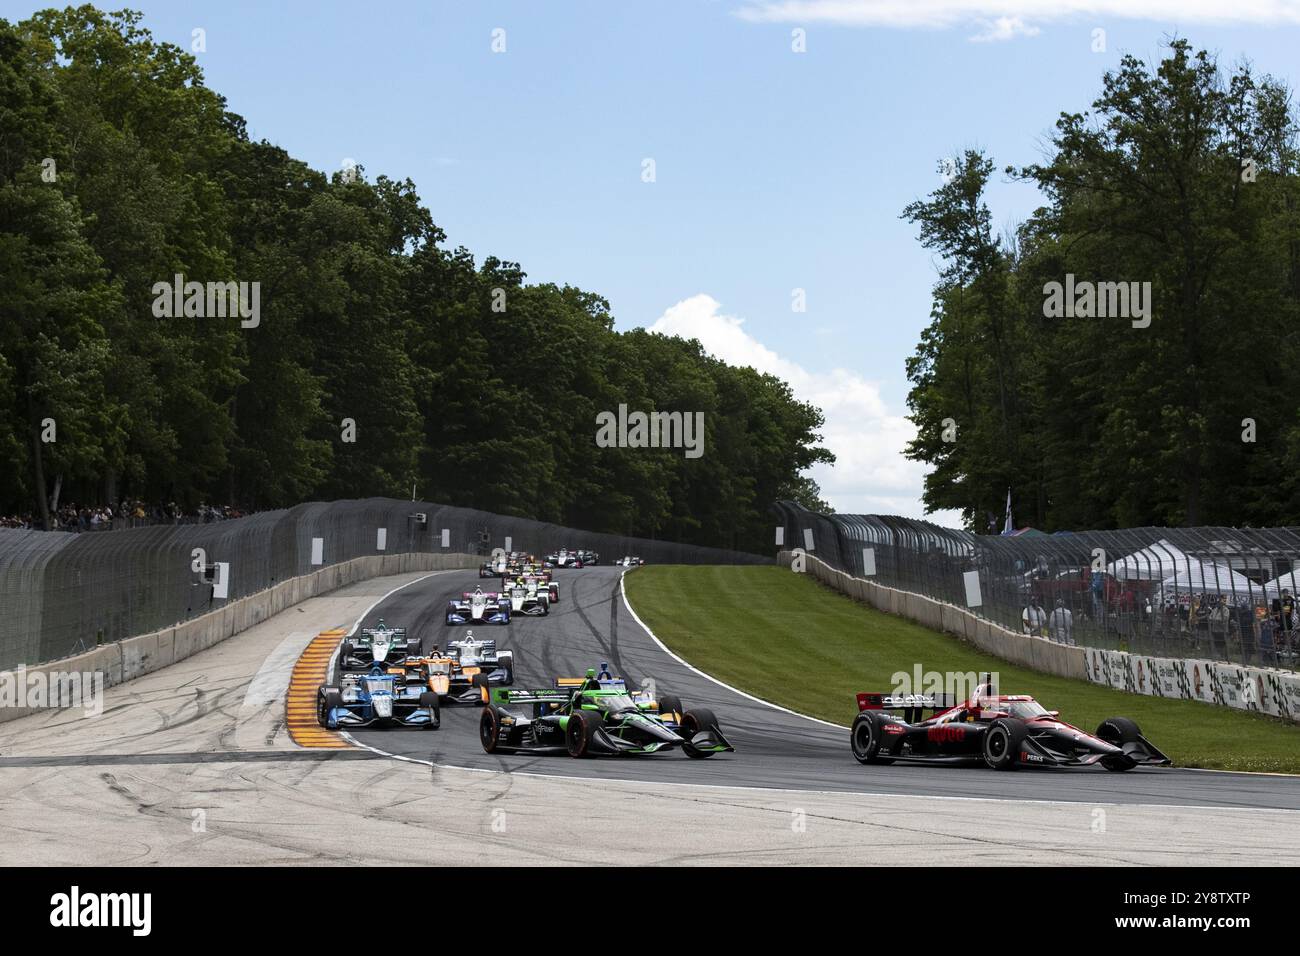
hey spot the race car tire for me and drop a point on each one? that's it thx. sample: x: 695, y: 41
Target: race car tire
x: 489, y: 729
x: 672, y: 704
x: 326, y: 700
x: 1002, y: 742
x: 693, y: 721
x: 345, y: 651
x: 429, y: 701
x: 507, y: 662
x: 864, y: 739
x: 1118, y: 731
x: 581, y: 728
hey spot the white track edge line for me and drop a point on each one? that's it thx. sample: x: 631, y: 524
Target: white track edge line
x: 689, y: 666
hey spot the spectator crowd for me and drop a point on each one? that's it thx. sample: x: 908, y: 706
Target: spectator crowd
x: 129, y: 513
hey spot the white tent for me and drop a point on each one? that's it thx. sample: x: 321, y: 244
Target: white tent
x: 1155, y: 563
x: 1282, y: 582
x: 1211, y: 579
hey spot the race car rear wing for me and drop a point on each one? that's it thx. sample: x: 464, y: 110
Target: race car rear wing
x: 396, y: 633
x: 606, y: 683
x: 539, y: 700
x: 912, y: 705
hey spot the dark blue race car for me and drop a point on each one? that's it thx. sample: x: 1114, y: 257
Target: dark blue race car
x: 377, y: 698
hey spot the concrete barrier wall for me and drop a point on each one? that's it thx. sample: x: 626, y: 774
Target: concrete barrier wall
x: 1037, y: 653
x: 135, y: 656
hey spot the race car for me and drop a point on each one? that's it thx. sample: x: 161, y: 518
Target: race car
x: 464, y: 671
x: 491, y: 569
x: 376, y: 645
x: 564, y: 558
x: 629, y: 561
x: 376, y: 698
x: 1003, y: 731
x: 544, y: 581
x: 526, y: 598
x: 588, y: 716
x: 479, y: 607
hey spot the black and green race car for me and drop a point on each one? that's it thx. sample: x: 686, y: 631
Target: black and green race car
x: 587, y: 716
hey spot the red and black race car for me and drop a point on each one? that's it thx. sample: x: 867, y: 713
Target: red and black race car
x: 1005, y: 732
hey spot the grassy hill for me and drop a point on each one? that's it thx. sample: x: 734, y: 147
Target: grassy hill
x: 785, y: 638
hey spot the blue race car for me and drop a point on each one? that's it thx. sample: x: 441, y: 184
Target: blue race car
x: 377, y: 698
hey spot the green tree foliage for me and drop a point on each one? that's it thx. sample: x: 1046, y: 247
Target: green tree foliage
x: 452, y: 375
x: 1179, y: 176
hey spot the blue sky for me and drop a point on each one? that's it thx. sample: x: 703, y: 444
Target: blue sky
x: 775, y: 170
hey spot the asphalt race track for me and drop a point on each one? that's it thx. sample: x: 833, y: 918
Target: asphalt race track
x: 193, y: 763
x: 774, y: 749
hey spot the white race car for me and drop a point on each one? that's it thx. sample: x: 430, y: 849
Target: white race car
x: 526, y: 597
x: 479, y: 607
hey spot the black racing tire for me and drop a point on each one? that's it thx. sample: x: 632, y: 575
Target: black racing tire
x: 1001, y: 746
x: 865, y: 738
x: 693, y: 721
x: 671, y: 704
x: 579, y: 731
x: 327, y: 698
x: 345, y: 651
x: 429, y: 701
x: 1119, y: 731
x: 489, y: 729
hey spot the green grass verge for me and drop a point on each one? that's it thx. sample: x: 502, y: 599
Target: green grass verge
x: 787, y: 639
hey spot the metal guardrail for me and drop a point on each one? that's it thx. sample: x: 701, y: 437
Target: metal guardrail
x: 1225, y: 594
x: 62, y: 593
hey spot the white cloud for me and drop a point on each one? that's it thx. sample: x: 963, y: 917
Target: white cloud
x: 870, y: 475
x: 1005, y: 28
x: 1004, y: 19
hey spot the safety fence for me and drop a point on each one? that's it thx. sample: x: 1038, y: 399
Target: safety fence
x: 63, y: 593
x: 1215, y: 594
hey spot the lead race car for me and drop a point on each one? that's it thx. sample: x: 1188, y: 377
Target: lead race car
x: 588, y: 716
x: 1003, y: 731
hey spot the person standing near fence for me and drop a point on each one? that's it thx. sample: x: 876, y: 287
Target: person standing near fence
x: 1283, y: 619
x: 1097, y: 588
x: 1033, y: 618
x: 1060, y: 624
x: 1218, y: 621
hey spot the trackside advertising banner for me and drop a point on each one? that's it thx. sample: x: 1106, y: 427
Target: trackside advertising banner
x: 1262, y: 689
